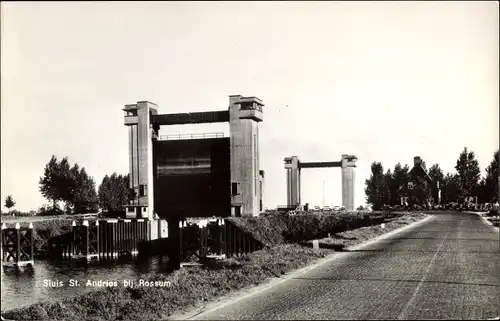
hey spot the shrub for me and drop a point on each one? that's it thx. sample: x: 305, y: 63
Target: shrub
x: 19, y: 213
x: 47, y: 210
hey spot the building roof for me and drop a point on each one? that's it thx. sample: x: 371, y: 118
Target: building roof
x: 420, y: 171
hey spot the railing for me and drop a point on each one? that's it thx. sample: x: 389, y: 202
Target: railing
x: 286, y: 207
x: 191, y: 136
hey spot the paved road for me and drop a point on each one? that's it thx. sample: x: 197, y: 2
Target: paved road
x: 446, y: 268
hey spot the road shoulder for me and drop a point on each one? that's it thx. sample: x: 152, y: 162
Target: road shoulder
x: 484, y: 217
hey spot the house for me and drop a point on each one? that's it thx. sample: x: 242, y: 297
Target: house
x: 422, y: 189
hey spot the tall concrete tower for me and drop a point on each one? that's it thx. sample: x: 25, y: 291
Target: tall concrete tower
x: 141, y: 134
x: 292, y: 180
x: 348, y: 163
x: 245, y: 113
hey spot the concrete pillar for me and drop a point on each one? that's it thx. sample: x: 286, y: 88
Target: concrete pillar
x: 141, y: 132
x: 348, y: 163
x: 292, y: 180
x: 245, y: 113
x: 261, y: 189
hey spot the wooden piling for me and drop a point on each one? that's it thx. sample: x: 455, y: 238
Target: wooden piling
x: 17, y: 246
x: 134, y: 231
x: 223, y: 237
x: 181, y: 240
x: 114, y: 238
x: 127, y: 237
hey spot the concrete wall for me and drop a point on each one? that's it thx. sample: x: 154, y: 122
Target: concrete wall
x: 348, y: 167
x: 293, y: 180
x: 244, y: 141
x: 140, y: 155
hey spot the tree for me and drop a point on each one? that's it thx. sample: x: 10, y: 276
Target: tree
x: 400, y: 182
x: 388, y: 188
x: 61, y: 182
x: 114, y: 192
x: 483, y: 193
x: 436, y: 173
x: 468, y: 173
x: 9, y: 202
x: 451, y: 189
x: 83, y: 188
x: 492, y: 180
x: 50, y: 183
x: 374, y: 189
x: 65, y: 180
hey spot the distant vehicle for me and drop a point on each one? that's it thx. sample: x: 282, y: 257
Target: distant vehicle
x: 326, y: 208
x: 336, y: 208
x: 316, y: 208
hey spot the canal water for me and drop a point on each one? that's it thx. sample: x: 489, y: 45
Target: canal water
x: 48, y: 281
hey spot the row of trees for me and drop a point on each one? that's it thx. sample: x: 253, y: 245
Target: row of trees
x: 71, y: 185
x: 388, y: 188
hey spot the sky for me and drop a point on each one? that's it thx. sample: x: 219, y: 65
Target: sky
x: 385, y: 81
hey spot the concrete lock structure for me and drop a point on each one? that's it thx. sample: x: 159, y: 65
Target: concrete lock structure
x: 201, y: 176
x: 294, y: 166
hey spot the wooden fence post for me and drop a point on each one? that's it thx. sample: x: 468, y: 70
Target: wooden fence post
x: 181, y: 242
x: 223, y: 237
x: 72, y: 245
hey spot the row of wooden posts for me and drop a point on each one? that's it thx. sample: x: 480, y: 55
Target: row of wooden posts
x: 102, y: 239
x: 214, y: 238
x: 113, y: 238
x: 88, y: 239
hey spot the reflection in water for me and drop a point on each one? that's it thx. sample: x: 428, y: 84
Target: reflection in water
x: 47, y: 280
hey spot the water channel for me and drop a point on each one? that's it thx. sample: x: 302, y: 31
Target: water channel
x: 41, y: 283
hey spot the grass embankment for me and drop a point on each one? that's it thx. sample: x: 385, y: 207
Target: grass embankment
x: 277, y: 228
x: 190, y: 287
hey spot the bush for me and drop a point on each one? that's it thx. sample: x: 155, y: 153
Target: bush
x: 47, y: 210
x: 46, y: 230
x: 17, y: 213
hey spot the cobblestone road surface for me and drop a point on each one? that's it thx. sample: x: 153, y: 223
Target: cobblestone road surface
x: 446, y: 268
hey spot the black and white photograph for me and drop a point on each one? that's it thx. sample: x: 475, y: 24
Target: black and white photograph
x: 249, y: 160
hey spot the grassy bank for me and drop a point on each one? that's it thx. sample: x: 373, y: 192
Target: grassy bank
x: 278, y: 228
x: 191, y: 287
